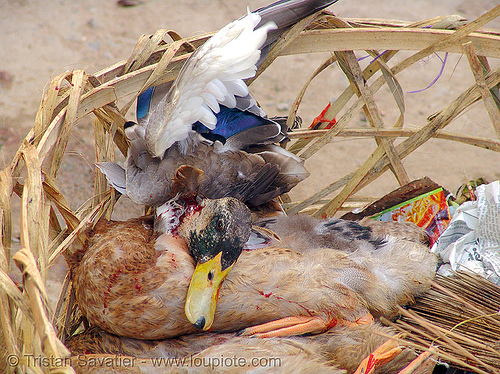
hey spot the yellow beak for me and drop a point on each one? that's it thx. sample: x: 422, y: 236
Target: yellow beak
x: 203, y: 292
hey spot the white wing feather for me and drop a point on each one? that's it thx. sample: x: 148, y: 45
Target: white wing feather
x: 212, y: 76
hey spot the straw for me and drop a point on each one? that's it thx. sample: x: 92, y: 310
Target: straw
x: 460, y: 318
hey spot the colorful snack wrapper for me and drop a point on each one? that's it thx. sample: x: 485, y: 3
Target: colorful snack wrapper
x: 429, y: 211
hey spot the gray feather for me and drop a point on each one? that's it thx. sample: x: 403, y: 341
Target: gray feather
x: 264, y: 134
x: 285, y: 14
x: 115, y: 175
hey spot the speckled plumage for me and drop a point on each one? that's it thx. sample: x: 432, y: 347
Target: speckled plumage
x: 403, y: 230
x: 122, y: 276
x: 301, y: 232
x: 249, y: 177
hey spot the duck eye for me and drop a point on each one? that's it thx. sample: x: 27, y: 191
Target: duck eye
x: 210, y: 276
x: 219, y: 225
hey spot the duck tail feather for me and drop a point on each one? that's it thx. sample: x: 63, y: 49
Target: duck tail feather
x: 256, y: 192
x: 286, y: 13
x: 115, y: 175
x: 263, y: 134
x: 292, y: 169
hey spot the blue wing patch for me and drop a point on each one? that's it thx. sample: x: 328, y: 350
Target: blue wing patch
x: 144, y: 102
x: 230, y: 121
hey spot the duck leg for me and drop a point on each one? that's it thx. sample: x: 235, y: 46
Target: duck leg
x: 379, y: 357
x: 299, y: 325
x: 364, y: 320
x: 288, y: 326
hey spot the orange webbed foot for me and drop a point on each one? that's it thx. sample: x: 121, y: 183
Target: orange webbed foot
x: 288, y: 326
x: 379, y: 357
x: 424, y: 363
x: 300, y: 325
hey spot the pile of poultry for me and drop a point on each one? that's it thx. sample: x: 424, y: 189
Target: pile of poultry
x: 219, y: 270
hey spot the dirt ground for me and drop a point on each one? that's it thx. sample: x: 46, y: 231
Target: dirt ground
x: 41, y: 39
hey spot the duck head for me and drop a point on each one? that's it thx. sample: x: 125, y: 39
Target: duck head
x: 215, y: 237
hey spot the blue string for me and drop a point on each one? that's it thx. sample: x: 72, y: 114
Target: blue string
x: 443, y: 64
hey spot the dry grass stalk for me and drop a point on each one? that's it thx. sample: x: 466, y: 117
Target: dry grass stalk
x: 34, y: 214
x: 371, y: 169
x: 489, y: 101
x: 35, y: 290
x: 375, y: 119
x: 489, y: 144
x: 73, y: 95
x: 460, y: 317
x: 378, y: 163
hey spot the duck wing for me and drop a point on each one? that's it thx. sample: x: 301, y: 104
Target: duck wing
x: 212, y: 76
x: 285, y: 13
x: 211, y: 80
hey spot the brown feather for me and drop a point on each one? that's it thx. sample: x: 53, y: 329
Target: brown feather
x: 239, y: 174
x: 187, y: 180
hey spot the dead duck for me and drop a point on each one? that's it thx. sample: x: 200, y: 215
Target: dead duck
x: 132, y: 282
x: 207, y: 119
x: 124, y: 264
x: 338, y: 350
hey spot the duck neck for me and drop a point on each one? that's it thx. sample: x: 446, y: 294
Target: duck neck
x: 175, y: 216
x: 187, y: 225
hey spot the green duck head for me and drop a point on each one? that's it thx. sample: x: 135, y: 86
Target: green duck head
x: 215, y: 237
